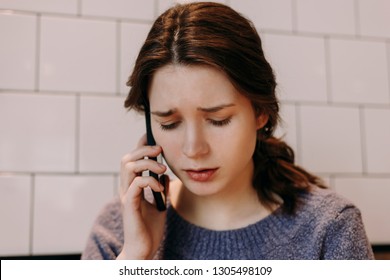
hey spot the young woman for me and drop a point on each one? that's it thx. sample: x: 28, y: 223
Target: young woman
x: 239, y: 194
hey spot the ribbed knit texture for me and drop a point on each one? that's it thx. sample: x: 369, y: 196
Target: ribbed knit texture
x: 326, y: 226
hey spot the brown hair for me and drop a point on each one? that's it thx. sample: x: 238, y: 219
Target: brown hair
x: 212, y: 34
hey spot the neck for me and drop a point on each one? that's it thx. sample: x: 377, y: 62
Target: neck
x: 234, y: 208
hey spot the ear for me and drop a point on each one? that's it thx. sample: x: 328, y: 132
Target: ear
x: 261, y: 121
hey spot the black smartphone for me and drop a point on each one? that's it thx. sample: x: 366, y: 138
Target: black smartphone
x: 159, y: 197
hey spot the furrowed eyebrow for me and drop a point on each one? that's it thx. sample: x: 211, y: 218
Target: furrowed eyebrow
x: 164, y: 113
x: 215, y: 108
x: 206, y: 110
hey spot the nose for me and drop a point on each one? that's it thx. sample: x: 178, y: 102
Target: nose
x: 195, y: 144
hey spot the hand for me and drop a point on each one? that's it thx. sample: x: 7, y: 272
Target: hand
x: 143, y: 224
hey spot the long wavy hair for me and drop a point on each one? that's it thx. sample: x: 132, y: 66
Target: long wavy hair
x: 212, y: 34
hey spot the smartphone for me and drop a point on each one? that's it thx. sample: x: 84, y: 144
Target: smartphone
x: 159, y: 197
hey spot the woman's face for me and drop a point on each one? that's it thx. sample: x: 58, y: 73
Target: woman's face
x: 206, y: 128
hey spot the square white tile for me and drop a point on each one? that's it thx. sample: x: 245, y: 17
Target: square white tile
x: 78, y: 55
x: 45, y: 6
x: 266, y: 14
x: 371, y: 196
x: 119, y: 8
x: 374, y: 17
x: 65, y: 208
x: 377, y: 139
x: 17, y: 51
x: 359, y: 72
x: 15, y: 209
x: 330, y: 139
x: 107, y: 133
x: 38, y: 133
x: 331, y: 16
x: 299, y: 64
x: 133, y: 36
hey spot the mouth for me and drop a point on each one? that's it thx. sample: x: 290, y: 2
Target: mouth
x: 201, y: 175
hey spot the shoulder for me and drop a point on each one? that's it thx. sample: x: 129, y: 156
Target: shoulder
x: 338, y: 223
x: 106, y: 237
x: 321, y: 210
x: 325, y: 201
x: 325, y: 226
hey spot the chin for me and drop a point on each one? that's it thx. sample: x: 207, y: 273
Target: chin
x: 201, y: 188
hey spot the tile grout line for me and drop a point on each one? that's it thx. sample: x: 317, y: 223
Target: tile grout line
x: 156, y: 8
x: 294, y: 32
x: 77, y: 134
x: 363, y: 142
x: 79, y: 8
x: 37, y: 52
x: 32, y: 204
x: 328, y: 69
x: 388, y: 67
x: 79, y: 15
x: 118, y: 56
x: 357, y: 19
x: 294, y: 16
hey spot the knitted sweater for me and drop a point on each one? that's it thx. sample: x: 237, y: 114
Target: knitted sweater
x: 325, y: 226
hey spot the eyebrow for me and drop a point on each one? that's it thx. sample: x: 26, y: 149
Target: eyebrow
x: 202, y: 109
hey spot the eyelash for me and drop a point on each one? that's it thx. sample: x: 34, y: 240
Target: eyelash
x: 213, y: 122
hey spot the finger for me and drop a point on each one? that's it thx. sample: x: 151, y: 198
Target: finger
x: 135, y: 168
x: 134, y: 193
x: 140, y: 153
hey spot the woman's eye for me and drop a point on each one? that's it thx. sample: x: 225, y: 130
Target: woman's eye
x: 221, y: 122
x: 169, y: 126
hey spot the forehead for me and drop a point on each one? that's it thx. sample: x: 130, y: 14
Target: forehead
x: 178, y: 82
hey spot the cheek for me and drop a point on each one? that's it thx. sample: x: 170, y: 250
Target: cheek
x: 242, y: 141
x: 169, y: 147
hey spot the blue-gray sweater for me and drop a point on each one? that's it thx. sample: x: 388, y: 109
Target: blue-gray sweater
x: 326, y: 226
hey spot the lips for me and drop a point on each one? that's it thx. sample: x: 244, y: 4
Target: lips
x: 201, y: 175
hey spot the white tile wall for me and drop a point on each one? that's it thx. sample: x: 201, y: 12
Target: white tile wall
x: 65, y: 208
x: 377, y: 137
x: 15, y: 209
x: 163, y: 5
x: 77, y: 55
x: 45, y: 6
x: 107, y: 132
x: 37, y: 133
x: 332, y: 16
x: 267, y: 14
x: 133, y: 35
x: 63, y: 128
x: 17, y: 55
x: 300, y: 67
x: 119, y: 8
x: 371, y: 195
x: 330, y: 139
x: 359, y: 71
x: 374, y: 17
